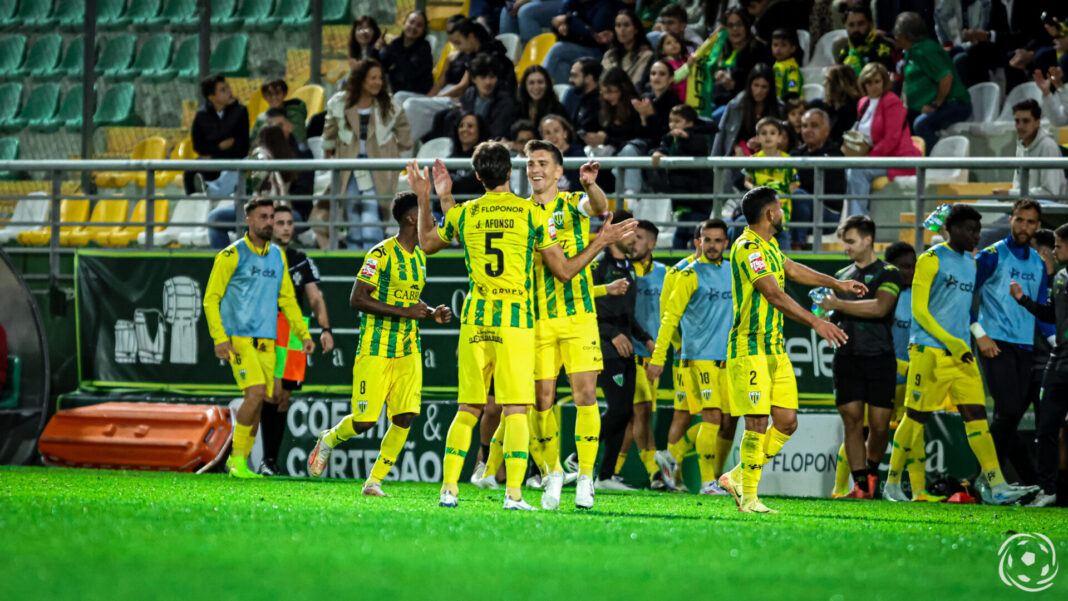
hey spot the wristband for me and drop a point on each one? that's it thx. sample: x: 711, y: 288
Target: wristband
x: 327, y: 330
x: 977, y: 330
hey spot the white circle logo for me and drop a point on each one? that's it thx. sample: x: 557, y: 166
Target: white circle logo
x: 1028, y: 561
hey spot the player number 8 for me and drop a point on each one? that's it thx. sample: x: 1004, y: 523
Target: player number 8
x: 363, y: 387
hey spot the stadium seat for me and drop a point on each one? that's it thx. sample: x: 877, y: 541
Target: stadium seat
x: 10, y: 101
x: 28, y: 11
x: 69, y: 15
x: 337, y: 12
x: 69, y: 115
x: 153, y: 148
x: 986, y: 100
x: 1062, y: 136
x: 950, y: 146
x: 12, y: 53
x: 882, y: 181
x: 110, y: 15
x: 151, y: 61
x: 36, y: 15
x: 295, y: 14
x: 255, y: 106
x: 437, y: 148
x: 9, y: 151
x: 254, y: 15
x: 813, y: 91
x: 534, y: 53
x: 510, y: 41
x: 804, y: 39
x: 70, y: 210
x: 230, y: 57
x: 143, y: 13
x: 1024, y: 91
x: 108, y: 210
x: 312, y: 95
x: 822, y: 56
x: 117, y: 55
x: 440, y: 65
x: 190, y: 210
x: 73, y: 63
x: 185, y: 64
x: 124, y: 235
x: 8, y: 12
x: 117, y: 106
x: 222, y: 13
x: 33, y: 208
x: 181, y: 15
x: 198, y: 236
x: 183, y: 151
x: 42, y: 57
x: 41, y: 104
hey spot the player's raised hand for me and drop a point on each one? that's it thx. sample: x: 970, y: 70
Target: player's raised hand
x: 418, y: 181
x: 1016, y: 290
x: 588, y: 173
x: 617, y: 288
x: 653, y: 372
x: 419, y: 310
x: 224, y: 350
x: 442, y: 179
x: 851, y: 286
x: 307, y: 346
x: 831, y: 333
x: 614, y: 232
x: 327, y: 340
x: 442, y: 314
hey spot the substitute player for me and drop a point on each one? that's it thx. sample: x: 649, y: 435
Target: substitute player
x: 249, y: 281
x: 290, y: 362
x: 941, y: 360
x: 760, y: 378
x: 701, y: 300
x: 500, y: 233
x: 389, y: 361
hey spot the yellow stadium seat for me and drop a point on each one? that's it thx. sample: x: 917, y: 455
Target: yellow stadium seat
x: 882, y: 181
x: 182, y: 151
x: 149, y: 149
x: 438, y: 68
x: 1062, y: 135
x: 440, y: 12
x: 105, y: 211
x: 70, y: 210
x: 312, y: 95
x: 125, y: 235
x: 256, y: 105
x: 919, y: 142
x: 534, y: 53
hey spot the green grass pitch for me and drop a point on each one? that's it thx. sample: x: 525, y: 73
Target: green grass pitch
x: 83, y: 534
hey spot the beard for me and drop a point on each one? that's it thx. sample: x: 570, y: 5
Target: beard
x: 778, y: 226
x: 857, y: 38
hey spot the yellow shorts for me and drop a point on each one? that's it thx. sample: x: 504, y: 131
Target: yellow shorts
x: 395, y: 382
x: 572, y: 342
x: 759, y: 382
x: 644, y: 389
x: 685, y: 398
x: 933, y: 374
x: 708, y: 381
x: 253, y: 362
x: 499, y: 353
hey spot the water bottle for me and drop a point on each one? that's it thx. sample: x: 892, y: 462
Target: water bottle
x: 817, y: 295
x: 937, y: 218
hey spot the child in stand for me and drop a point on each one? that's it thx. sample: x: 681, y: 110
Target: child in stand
x: 795, y: 109
x: 687, y: 137
x: 788, y: 56
x: 672, y: 50
x: 784, y: 180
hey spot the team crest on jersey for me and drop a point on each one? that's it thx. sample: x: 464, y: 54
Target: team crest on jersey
x: 618, y: 379
x: 370, y: 267
x: 558, y: 218
x: 241, y: 374
x: 362, y: 405
x: 756, y: 261
x: 551, y: 228
x: 754, y: 397
x: 868, y: 277
x: 706, y: 394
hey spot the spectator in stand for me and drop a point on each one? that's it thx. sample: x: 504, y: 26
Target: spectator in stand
x: 629, y: 49
x: 537, y: 97
x: 815, y: 133
x: 471, y: 39
x: 365, y: 40
x: 522, y: 131
x: 1009, y: 42
x: 654, y: 107
x: 619, y: 125
x: 304, y: 182
x: 557, y: 130
x: 885, y: 133
x: 673, y: 19
x: 583, y: 29
x: 272, y: 145
x: 490, y: 98
x: 769, y: 15
x: 1054, y: 96
x: 683, y: 139
x: 274, y: 93
x: 470, y: 131
x: 585, y: 93
x: 788, y: 56
x: 738, y: 125
x: 648, y: 11
x: 1055, y: 54
x: 486, y: 13
x: 672, y: 51
x: 864, y: 44
x: 723, y: 63
x: 841, y: 92
x: 933, y: 90
x: 455, y: 63
x: 408, y: 60
x: 219, y: 131
x: 783, y: 180
x: 528, y: 17
x: 795, y: 111
x: 362, y: 121
x: 1033, y: 141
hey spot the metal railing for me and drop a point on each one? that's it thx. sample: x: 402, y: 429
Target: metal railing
x: 920, y: 200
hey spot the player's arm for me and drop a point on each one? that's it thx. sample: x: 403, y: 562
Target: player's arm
x: 564, y: 268
x: 873, y: 308
x: 361, y: 300
x: 221, y: 271
x: 596, y: 201
x: 768, y: 287
x: 985, y: 264
x: 318, y: 307
x: 670, y: 314
x: 430, y: 240
x: 616, y: 288
x: 287, y: 301
x: 443, y: 186
x: 926, y: 269
x: 1044, y: 312
x: 807, y: 276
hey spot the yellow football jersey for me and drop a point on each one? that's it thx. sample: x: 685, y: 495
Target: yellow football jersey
x: 757, y: 327
x: 397, y: 277
x: 554, y: 298
x: 500, y: 233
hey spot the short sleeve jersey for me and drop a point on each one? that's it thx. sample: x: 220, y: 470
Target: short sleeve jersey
x: 757, y: 325
x: 397, y: 277
x: 500, y: 233
x: 302, y: 270
x: 870, y: 337
x: 554, y: 298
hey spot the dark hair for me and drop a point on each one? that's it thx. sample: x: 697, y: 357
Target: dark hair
x: 453, y: 21
x: 483, y: 133
x: 844, y: 87
x: 591, y: 67
x: 660, y: 45
x: 911, y: 26
x: 354, y: 47
x: 354, y: 87
x: 276, y: 112
x: 1025, y: 204
x: 535, y: 145
x: 1062, y: 232
x: 257, y: 202
x: 564, y: 123
x: 897, y: 250
x: 545, y: 105
x: 685, y: 111
x: 640, y: 41
x: 522, y: 125
x: 711, y: 224
x: 617, y: 78
x: 961, y: 212
x: 209, y: 83
x: 864, y: 225
x: 1029, y: 105
x: 281, y: 207
x: 754, y: 202
x: 483, y: 65
x: 645, y: 224
x: 790, y: 35
x: 402, y: 203
x: 747, y: 22
x: 770, y: 121
x: 859, y: 9
x: 467, y: 27
x: 1043, y: 237
x: 492, y: 162
x: 749, y: 108
x: 274, y: 83
x: 426, y: 21
x: 674, y: 11
x: 272, y: 140
x: 622, y: 215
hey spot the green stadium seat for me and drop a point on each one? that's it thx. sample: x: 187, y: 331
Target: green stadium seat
x: 110, y: 15
x: 222, y: 12
x: 69, y: 115
x: 33, y: 14
x: 230, y: 57
x: 9, y: 151
x: 185, y: 65
x: 295, y: 14
x: 8, y: 12
x: 73, y: 62
x: 10, y: 101
x: 42, y: 57
x: 70, y: 14
x: 142, y: 13
x: 253, y: 14
x: 152, y: 60
x: 12, y: 52
x: 180, y: 15
x: 117, y: 55
x: 337, y: 12
x: 117, y: 106
x: 41, y: 105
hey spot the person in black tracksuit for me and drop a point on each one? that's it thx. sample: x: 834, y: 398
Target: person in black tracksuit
x: 616, y: 323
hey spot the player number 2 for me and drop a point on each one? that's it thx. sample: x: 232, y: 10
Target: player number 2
x: 752, y: 378
x: 494, y: 270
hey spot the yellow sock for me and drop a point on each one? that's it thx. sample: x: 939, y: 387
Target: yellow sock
x: 983, y: 446
x: 496, y: 453
x: 723, y: 449
x: 648, y: 457
x: 917, y: 467
x: 516, y: 443
x: 587, y: 437
x: 340, y: 433
x: 752, y: 462
x: 774, y: 441
x: 689, y: 439
x: 243, y: 440
x: 550, y: 447
x: 677, y: 450
x: 706, y: 450
x: 621, y: 459
x: 841, y: 472
x: 904, y: 438
x: 457, y: 443
x: 392, y: 445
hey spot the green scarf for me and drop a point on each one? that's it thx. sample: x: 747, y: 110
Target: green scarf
x: 857, y: 54
x: 707, y: 61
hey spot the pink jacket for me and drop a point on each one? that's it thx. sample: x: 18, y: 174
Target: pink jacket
x: 890, y: 133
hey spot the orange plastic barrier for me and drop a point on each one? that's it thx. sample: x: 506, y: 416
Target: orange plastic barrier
x: 138, y: 436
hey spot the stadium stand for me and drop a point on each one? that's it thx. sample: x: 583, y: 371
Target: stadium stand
x: 41, y: 104
x: 125, y: 235
x: 9, y: 151
x: 117, y: 107
x: 12, y: 53
x: 117, y: 55
x: 154, y: 148
x: 69, y: 115
x: 32, y: 208
x: 10, y: 100
x: 533, y: 54
x: 151, y: 61
x: 73, y: 63
x: 293, y: 14
x: 107, y: 210
x: 230, y: 56
x: 143, y: 13
x: 70, y: 210
x: 32, y: 15
x: 42, y: 58
x: 111, y: 15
